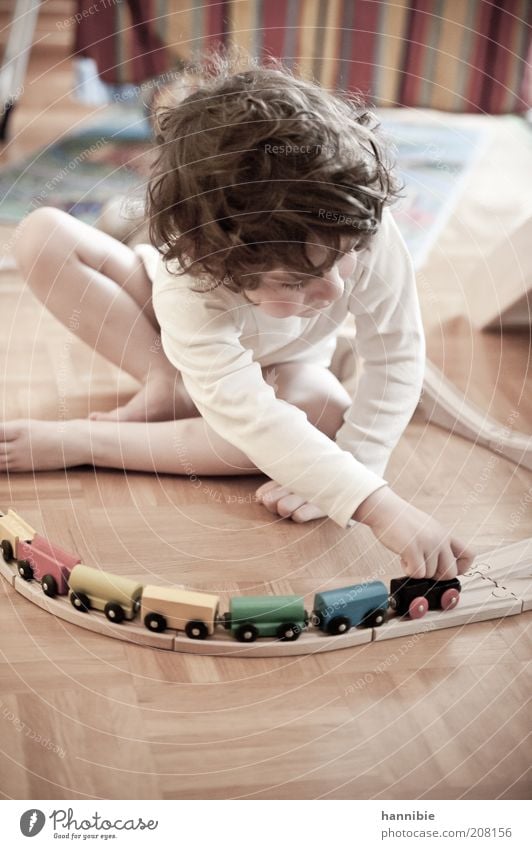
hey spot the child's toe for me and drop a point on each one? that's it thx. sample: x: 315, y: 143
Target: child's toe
x: 9, y: 431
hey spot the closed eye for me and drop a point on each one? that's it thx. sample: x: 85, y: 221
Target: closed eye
x: 292, y: 285
x: 350, y: 248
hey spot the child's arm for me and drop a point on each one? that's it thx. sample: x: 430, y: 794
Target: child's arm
x: 391, y: 346
x: 390, y: 341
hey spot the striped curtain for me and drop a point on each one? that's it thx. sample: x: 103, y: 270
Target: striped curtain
x: 456, y: 55
x: 125, y: 38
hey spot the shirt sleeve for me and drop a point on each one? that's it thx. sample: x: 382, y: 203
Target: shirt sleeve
x: 391, y: 346
x: 200, y: 336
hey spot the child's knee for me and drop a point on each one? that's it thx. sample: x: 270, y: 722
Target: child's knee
x: 315, y: 391
x: 34, y: 235
x: 326, y: 412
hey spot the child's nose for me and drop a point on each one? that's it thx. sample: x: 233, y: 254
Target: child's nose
x: 327, y: 289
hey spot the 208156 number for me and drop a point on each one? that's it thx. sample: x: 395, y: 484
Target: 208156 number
x: 490, y: 832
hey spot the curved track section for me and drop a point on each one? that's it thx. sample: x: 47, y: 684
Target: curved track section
x: 499, y: 584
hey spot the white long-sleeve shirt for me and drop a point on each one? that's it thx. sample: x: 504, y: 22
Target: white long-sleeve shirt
x: 220, y: 342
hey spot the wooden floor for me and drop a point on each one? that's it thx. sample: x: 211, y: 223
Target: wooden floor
x: 443, y: 715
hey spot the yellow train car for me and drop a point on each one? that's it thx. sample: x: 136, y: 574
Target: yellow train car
x: 167, y: 607
x: 12, y: 529
x: 92, y: 589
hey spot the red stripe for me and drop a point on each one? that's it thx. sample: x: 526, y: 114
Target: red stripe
x: 416, y: 51
x: 500, y: 69
x: 274, y: 21
x: 526, y: 87
x: 480, y: 27
x: 492, y: 51
x: 214, y: 23
x: 503, y: 99
x: 148, y: 53
x: 364, y: 44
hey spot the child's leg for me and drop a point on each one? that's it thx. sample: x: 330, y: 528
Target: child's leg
x: 183, y: 447
x: 98, y: 288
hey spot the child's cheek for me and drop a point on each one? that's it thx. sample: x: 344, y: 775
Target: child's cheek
x: 347, y: 265
x: 284, y: 304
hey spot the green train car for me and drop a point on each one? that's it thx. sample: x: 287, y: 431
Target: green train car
x: 252, y: 616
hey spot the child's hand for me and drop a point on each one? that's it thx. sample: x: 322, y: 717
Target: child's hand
x: 284, y: 503
x: 426, y: 548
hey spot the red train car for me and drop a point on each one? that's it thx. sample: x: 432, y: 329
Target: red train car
x: 47, y: 563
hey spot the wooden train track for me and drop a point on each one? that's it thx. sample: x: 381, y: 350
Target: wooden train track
x: 498, y: 584
x: 444, y: 405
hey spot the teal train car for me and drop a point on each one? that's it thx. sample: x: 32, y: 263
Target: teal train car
x: 336, y: 611
x: 281, y: 616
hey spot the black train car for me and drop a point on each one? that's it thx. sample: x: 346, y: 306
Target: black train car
x: 417, y: 595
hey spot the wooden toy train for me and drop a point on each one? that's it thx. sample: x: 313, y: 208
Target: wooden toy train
x: 197, y: 613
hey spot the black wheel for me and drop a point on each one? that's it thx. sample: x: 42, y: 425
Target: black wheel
x: 246, y: 633
x: 80, y: 601
x: 339, y: 625
x: 24, y: 569
x: 7, y: 550
x: 374, y: 618
x: 49, y: 586
x: 155, y: 622
x: 288, y: 632
x: 196, y: 630
x: 114, y: 612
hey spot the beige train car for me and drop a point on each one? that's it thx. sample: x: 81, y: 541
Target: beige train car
x: 116, y: 596
x: 168, y: 607
x: 12, y: 529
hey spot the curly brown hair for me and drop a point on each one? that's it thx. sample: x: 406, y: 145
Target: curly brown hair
x: 253, y: 166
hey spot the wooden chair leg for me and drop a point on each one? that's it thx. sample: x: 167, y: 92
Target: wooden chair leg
x: 4, y: 119
x: 15, y: 58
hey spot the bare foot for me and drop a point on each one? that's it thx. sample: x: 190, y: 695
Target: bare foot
x: 162, y: 398
x: 31, y: 444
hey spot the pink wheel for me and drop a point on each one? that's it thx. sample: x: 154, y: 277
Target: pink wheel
x: 418, y: 607
x: 449, y: 599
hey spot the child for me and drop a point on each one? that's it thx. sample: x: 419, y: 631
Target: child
x: 268, y: 204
